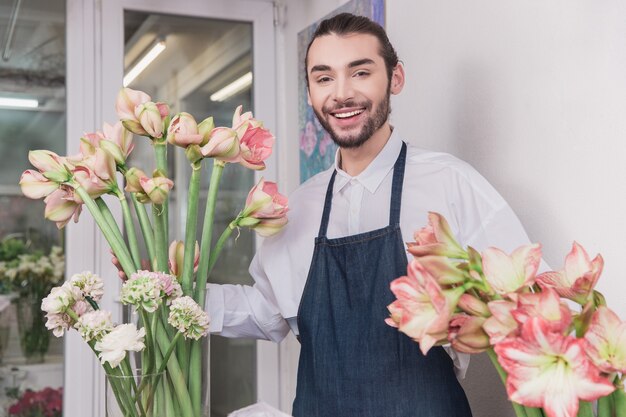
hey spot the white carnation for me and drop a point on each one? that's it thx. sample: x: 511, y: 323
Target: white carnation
x: 94, y: 325
x: 189, y: 318
x: 60, y: 298
x: 90, y: 284
x: 113, y: 346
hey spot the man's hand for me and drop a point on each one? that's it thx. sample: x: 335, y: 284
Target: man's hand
x: 145, y: 265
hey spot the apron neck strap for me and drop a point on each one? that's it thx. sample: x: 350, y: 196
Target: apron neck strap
x: 396, y: 187
x: 396, y: 194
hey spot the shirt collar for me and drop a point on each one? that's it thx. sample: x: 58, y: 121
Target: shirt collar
x: 376, y: 171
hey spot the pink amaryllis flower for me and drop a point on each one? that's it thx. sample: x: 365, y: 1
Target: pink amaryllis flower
x: 466, y: 334
x: 445, y: 270
x: 577, y: 280
x: 140, y: 115
x: 254, y: 140
x: 501, y: 324
x: 549, y: 370
x: 423, y: 309
x: 61, y: 206
x: 117, y: 141
x: 176, y: 254
x: 34, y: 185
x: 223, y: 144
x: 52, y: 166
x: 606, y: 341
x: 183, y: 131
x: 156, y: 188
x: 436, y: 239
x: 546, y: 304
x: 508, y: 273
x: 265, y: 210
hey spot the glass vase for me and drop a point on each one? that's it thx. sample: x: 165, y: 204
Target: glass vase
x: 135, y: 394
x: 34, y: 336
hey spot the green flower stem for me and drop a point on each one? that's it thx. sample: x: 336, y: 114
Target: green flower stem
x: 160, y: 149
x: 146, y: 227
x: 585, y: 409
x: 195, y: 376
x: 148, y: 363
x: 207, y: 232
x: 163, y: 364
x: 121, y: 394
x: 605, y: 406
x: 215, y: 253
x: 191, y: 226
x: 120, y: 250
x: 130, y: 231
x: 619, y: 401
x: 108, y: 216
x: 160, y: 238
x: 127, y: 371
x: 176, y: 376
x: 534, y: 412
x: 520, y: 411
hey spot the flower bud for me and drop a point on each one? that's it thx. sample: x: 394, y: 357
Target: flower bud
x: 149, y: 116
x: 223, y: 145
x: 156, y: 188
x: 183, y: 131
x: 205, y: 128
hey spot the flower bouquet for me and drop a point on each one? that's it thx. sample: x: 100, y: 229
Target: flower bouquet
x: 31, y: 276
x: 553, y: 360
x: 168, y: 295
x: 47, y: 402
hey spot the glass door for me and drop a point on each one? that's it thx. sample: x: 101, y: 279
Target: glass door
x: 206, y: 48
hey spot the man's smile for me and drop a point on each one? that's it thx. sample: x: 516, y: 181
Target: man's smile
x: 344, y: 113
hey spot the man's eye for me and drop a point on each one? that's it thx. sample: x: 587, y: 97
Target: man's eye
x: 323, y: 79
x: 361, y: 74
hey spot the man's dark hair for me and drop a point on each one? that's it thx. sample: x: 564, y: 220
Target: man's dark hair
x: 347, y: 23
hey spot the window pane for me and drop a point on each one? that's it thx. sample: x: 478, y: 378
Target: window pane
x: 32, y: 66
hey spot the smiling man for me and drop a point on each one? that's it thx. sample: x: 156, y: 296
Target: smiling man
x: 326, y: 275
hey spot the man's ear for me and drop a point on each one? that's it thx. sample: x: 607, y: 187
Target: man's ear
x: 397, y: 79
x: 308, y: 97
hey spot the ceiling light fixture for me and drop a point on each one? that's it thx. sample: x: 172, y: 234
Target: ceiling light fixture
x: 143, y: 62
x: 25, y: 103
x: 237, y: 86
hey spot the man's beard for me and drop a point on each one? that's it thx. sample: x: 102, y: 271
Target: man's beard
x: 372, y: 124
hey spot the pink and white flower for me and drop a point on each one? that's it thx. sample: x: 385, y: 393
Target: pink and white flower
x: 94, y: 325
x: 189, y: 318
x: 424, y: 309
x: 508, y: 273
x: 436, y: 239
x: 579, y: 277
x: 466, y: 334
x: 61, y: 206
x: 142, y: 290
x: 265, y: 210
x: 501, y: 324
x: 156, y: 188
x: 223, y: 144
x: 254, y: 140
x: 176, y: 256
x: 549, y: 370
x: 606, y: 341
x: 183, y: 131
x: 89, y: 284
x: 34, y: 185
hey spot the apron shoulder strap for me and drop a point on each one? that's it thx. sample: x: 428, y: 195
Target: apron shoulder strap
x: 396, y: 187
x: 327, y: 203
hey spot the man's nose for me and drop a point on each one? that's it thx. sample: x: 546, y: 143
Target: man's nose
x: 343, y: 90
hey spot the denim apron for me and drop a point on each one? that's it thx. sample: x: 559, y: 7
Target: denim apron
x: 352, y: 364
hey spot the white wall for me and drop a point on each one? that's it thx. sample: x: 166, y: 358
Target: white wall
x: 533, y: 94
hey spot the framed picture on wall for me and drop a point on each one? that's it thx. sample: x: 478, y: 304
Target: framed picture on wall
x: 317, y: 150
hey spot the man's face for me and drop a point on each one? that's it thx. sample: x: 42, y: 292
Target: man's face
x: 348, y: 87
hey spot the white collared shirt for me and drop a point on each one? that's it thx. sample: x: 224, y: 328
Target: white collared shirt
x: 433, y: 181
